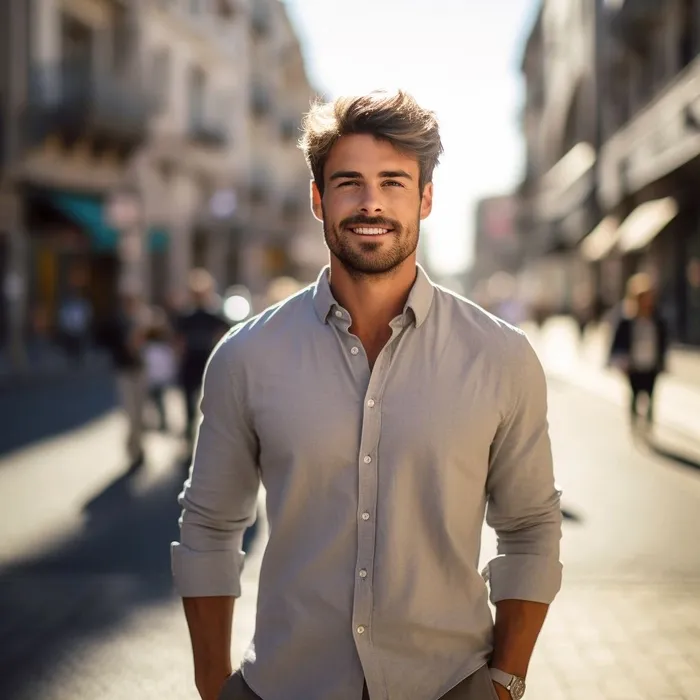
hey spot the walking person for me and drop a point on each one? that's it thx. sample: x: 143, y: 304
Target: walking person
x: 640, y: 345
x: 160, y: 364
x: 199, y: 328
x: 125, y: 339
x: 74, y: 320
x: 384, y: 416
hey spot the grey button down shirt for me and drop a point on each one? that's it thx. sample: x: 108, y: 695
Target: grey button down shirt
x: 377, y: 483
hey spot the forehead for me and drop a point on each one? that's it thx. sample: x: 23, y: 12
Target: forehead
x: 367, y: 155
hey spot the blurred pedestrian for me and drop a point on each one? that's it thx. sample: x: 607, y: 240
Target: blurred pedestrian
x: 382, y: 414
x: 74, y: 320
x: 199, y: 328
x: 640, y: 345
x: 124, y: 339
x: 160, y: 364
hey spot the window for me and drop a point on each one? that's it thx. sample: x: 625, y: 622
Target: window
x: 160, y: 77
x: 197, y: 96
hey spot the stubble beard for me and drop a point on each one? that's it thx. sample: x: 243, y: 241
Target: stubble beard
x: 369, y: 258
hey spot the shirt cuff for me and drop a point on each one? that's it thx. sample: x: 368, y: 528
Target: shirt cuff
x: 530, y: 577
x: 206, y: 574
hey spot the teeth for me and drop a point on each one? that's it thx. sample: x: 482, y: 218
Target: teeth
x: 370, y: 231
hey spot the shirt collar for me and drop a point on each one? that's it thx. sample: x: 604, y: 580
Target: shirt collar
x: 419, y: 300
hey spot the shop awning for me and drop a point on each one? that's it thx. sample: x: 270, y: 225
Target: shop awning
x: 88, y: 213
x: 158, y: 239
x: 568, y: 183
x: 601, y: 240
x: 645, y: 223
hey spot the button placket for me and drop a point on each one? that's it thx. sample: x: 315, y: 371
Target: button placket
x: 363, y: 598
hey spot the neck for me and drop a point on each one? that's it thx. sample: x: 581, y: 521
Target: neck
x: 372, y: 300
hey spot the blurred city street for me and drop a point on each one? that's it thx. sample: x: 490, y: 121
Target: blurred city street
x: 87, y: 608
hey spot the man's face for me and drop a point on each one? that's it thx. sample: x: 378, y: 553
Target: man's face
x: 372, y: 205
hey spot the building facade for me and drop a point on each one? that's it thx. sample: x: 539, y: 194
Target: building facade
x: 649, y: 169
x: 560, y: 123
x: 140, y: 139
x: 498, y: 251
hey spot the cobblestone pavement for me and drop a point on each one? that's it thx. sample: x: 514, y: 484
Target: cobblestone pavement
x: 87, y: 610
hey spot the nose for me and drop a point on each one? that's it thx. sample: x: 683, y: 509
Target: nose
x: 370, y: 202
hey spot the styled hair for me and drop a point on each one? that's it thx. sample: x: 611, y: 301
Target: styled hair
x: 393, y: 117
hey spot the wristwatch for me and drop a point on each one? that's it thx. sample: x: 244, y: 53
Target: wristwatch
x: 514, y: 685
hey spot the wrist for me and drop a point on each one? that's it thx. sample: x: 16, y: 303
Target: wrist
x: 210, y: 682
x: 501, y: 692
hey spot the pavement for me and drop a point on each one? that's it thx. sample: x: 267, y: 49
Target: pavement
x: 53, y: 398
x: 87, y: 608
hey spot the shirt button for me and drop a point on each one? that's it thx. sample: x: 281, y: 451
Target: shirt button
x: 365, y: 516
x: 361, y: 629
x: 339, y: 314
x: 354, y: 351
x: 367, y: 459
x: 363, y: 573
x: 370, y: 403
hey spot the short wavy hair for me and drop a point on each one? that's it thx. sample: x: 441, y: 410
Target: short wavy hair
x: 393, y: 117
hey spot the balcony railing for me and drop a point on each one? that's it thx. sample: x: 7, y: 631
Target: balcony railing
x: 208, y: 133
x: 76, y: 102
x: 260, y: 19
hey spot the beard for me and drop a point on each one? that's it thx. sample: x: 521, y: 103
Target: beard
x: 363, y: 257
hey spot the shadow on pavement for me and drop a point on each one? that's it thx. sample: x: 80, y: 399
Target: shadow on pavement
x: 571, y: 516
x: 670, y: 444
x: 36, y: 410
x: 83, y: 587
x: 684, y: 460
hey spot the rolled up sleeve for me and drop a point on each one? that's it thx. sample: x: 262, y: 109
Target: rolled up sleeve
x: 219, y: 499
x: 523, y: 502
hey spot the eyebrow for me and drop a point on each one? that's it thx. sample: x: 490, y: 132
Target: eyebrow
x: 354, y: 175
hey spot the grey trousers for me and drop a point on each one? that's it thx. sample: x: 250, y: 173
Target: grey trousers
x: 132, y: 393
x: 478, y: 686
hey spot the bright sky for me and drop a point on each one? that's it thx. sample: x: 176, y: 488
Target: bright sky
x: 457, y: 57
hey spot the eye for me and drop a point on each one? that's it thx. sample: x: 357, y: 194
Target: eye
x: 394, y: 183
x: 348, y: 183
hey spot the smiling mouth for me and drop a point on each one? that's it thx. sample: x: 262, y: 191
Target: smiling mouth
x: 370, y: 230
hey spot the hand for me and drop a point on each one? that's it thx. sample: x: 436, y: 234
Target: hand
x: 502, y: 693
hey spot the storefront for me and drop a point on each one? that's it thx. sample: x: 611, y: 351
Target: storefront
x: 73, y: 248
x: 649, y: 177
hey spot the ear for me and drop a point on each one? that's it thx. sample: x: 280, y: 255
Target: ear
x: 426, y: 202
x: 316, y: 203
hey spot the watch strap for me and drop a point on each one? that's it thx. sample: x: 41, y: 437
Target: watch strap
x: 501, y: 677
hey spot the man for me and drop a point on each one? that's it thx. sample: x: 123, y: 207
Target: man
x: 640, y: 345
x: 199, y: 329
x: 381, y: 413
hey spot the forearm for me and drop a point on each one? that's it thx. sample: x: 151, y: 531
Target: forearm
x: 518, y: 624
x: 209, y: 621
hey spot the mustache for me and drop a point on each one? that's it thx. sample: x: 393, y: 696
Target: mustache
x: 360, y: 220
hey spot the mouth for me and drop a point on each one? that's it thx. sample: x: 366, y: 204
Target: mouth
x: 370, y: 230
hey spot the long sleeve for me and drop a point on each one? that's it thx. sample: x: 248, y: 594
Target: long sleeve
x: 523, y: 502
x: 219, y: 499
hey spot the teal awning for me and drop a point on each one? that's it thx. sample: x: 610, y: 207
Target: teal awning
x: 88, y: 213
x: 158, y: 239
